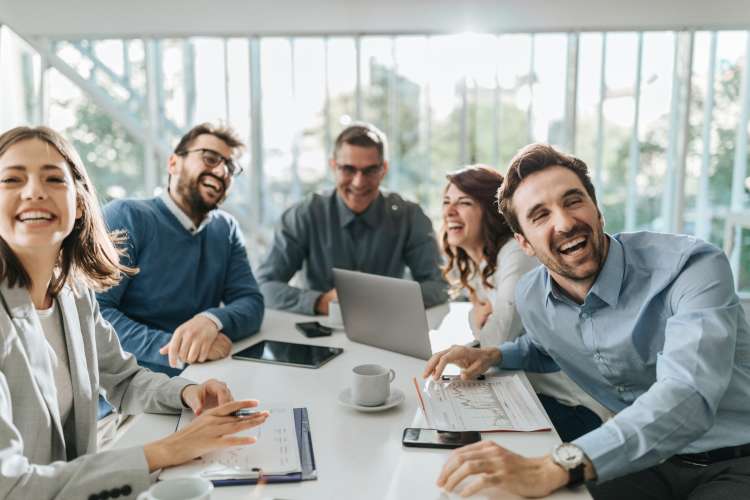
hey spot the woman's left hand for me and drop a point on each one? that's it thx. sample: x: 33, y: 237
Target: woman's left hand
x: 209, y: 394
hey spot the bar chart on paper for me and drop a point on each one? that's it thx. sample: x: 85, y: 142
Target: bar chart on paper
x: 496, y: 404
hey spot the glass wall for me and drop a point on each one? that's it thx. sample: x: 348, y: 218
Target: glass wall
x: 661, y: 118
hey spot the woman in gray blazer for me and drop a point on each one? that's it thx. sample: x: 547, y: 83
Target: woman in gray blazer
x: 57, y: 353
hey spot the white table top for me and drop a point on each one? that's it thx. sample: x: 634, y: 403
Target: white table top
x: 358, y: 455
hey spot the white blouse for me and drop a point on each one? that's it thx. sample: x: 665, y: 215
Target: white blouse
x: 52, y: 325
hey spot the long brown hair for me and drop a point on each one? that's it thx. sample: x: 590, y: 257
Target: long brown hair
x: 88, y: 254
x: 480, y: 182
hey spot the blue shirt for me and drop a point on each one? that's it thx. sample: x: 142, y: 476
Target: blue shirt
x: 660, y: 339
x: 182, y: 273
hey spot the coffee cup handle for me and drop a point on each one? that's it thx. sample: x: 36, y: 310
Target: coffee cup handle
x: 391, y: 375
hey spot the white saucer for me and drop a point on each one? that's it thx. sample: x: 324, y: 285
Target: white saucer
x: 395, y: 399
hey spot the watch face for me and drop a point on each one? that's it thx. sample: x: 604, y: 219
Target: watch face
x: 568, y: 455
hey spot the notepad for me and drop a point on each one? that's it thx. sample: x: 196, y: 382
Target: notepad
x: 502, y: 403
x: 275, y: 453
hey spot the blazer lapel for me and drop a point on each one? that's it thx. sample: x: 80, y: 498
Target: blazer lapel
x: 29, y: 330
x: 78, y: 367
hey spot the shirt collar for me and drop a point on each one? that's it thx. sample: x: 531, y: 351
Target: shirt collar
x: 372, y: 217
x: 608, y: 283
x: 181, y: 216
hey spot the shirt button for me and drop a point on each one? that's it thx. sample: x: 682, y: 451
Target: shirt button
x: 598, y: 356
x: 585, y: 315
x: 620, y: 388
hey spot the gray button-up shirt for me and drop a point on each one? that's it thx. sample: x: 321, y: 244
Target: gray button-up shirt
x: 321, y: 233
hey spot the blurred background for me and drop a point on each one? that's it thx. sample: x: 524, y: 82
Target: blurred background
x: 653, y: 96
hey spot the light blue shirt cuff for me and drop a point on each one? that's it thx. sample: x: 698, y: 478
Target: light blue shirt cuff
x: 513, y: 356
x: 213, y: 318
x: 604, y: 447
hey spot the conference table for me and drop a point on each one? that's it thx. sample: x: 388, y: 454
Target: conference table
x: 358, y: 455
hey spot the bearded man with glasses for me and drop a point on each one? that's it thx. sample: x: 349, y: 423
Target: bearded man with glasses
x: 195, y: 292
x: 354, y: 226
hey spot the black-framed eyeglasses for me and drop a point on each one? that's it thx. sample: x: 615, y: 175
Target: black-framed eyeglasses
x: 212, y: 159
x: 351, y: 170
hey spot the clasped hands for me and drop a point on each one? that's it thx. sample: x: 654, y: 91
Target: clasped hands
x: 196, y: 340
x: 492, y: 464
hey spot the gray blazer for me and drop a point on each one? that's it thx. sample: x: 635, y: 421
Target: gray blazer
x: 36, y: 461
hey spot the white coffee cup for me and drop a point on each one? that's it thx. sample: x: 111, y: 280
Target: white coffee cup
x: 371, y: 385
x: 186, y: 488
x: 334, y: 314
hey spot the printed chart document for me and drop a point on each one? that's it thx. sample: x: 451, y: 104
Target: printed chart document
x: 497, y: 404
x: 275, y: 452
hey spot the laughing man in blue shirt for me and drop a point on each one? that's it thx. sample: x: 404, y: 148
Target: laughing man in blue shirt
x: 648, y: 324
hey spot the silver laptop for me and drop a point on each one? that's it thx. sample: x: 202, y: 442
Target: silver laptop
x: 383, y: 312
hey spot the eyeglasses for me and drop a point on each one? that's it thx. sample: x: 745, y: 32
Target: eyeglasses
x: 351, y: 170
x: 212, y: 159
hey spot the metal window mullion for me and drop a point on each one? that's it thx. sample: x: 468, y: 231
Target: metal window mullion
x: 669, y: 184
x: 257, y: 193
x: 599, y: 148
x: 571, y: 93
x: 739, y: 172
x: 152, y: 122
x: 686, y: 66
x: 496, y: 109
x: 631, y: 202
x: 393, y: 121
x: 463, y: 132
x: 225, y: 51
x: 126, y: 62
x: 295, y: 125
x: 328, y: 134
x: 188, y: 78
x: 703, y: 215
x: 428, y: 111
x: 358, y: 69
x: 530, y: 108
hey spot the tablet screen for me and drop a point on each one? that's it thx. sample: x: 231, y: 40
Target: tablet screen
x: 287, y: 353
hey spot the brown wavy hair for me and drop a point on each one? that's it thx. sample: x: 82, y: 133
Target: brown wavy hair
x: 88, y: 254
x: 480, y: 182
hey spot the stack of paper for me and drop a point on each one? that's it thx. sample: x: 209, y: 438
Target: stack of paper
x: 275, y: 452
x: 502, y: 403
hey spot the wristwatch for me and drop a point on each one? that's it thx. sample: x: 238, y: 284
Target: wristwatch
x: 570, y: 457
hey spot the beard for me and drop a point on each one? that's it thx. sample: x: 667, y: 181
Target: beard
x: 189, y: 191
x: 555, y: 264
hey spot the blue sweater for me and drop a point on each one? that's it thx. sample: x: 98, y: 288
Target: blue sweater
x: 181, y: 274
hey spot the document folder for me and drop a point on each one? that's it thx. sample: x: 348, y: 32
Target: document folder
x: 307, y: 458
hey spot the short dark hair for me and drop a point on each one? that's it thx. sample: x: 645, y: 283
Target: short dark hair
x: 223, y: 132
x: 364, y: 135
x: 530, y: 159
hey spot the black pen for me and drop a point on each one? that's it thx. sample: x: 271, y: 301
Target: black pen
x: 454, y: 377
x: 246, y: 412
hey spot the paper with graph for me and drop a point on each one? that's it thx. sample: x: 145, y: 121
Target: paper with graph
x: 497, y: 404
x: 275, y: 452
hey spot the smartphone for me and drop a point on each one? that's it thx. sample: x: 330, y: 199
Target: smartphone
x: 432, y: 438
x: 313, y: 329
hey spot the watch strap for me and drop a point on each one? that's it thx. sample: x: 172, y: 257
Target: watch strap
x: 575, y: 476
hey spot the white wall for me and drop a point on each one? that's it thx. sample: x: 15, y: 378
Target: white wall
x: 118, y: 18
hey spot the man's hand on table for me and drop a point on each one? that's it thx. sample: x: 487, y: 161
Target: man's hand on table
x: 192, y: 341
x: 220, y: 349
x: 321, y: 305
x: 473, y: 361
x: 496, y: 466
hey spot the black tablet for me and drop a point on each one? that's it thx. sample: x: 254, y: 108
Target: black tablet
x: 287, y: 353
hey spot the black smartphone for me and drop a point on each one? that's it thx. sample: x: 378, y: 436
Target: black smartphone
x: 432, y: 438
x: 313, y: 329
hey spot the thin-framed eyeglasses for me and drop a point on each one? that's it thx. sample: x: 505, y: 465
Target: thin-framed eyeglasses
x: 351, y: 170
x: 212, y: 159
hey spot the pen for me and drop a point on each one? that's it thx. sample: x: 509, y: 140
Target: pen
x: 453, y: 377
x: 246, y: 412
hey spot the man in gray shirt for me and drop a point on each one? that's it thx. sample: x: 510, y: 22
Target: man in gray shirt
x: 355, y: 226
